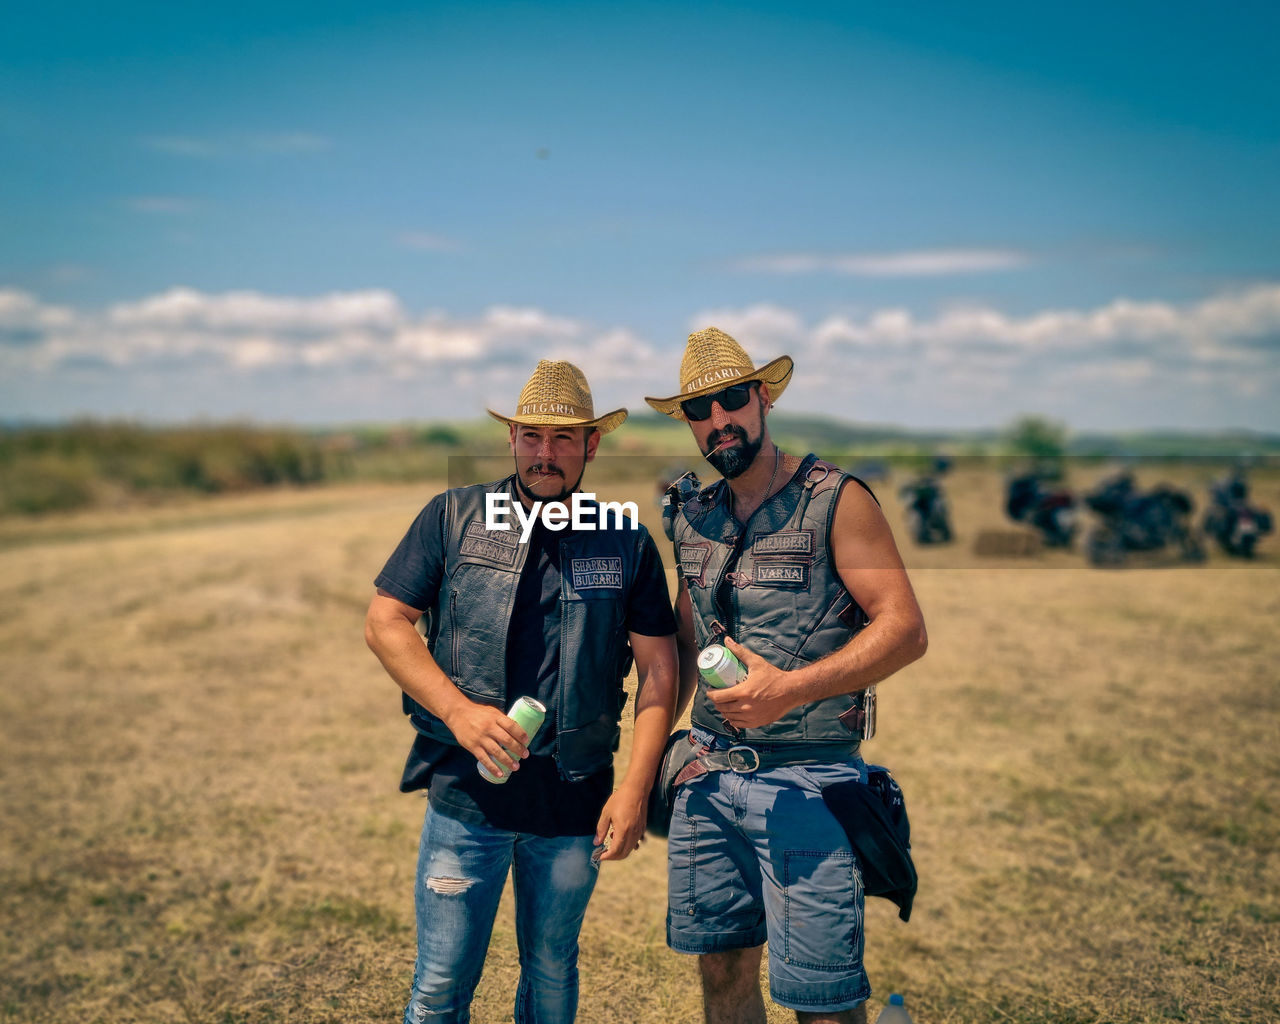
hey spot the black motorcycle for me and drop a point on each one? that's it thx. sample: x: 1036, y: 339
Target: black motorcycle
x: 1130, y: 520
x: 1231, y: 520
x: 926, y: 508
x: 1033, y: 499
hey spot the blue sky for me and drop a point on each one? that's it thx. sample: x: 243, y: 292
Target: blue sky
x: 947, y: 214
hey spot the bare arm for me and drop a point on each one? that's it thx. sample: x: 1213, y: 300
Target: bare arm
x: 687, y: 648
x: 625, y: 811
x: 390, y: 632
x: 870, y: 567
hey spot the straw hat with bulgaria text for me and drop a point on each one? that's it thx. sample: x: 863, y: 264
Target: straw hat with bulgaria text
x: 557, y: 395
x: 712, y: 361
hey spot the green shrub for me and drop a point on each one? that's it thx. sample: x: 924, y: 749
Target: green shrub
x: 46, y: 481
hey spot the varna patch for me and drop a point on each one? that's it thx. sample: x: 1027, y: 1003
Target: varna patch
x: 500, y: 546
x: 782, y: 574
x: 603, y: 572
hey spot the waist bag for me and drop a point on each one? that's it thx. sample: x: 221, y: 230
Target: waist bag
x: 680, y: 751
x: 874, y: 817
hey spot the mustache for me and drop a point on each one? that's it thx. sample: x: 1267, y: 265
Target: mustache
x: 724, y: 437
x: 538, y: 467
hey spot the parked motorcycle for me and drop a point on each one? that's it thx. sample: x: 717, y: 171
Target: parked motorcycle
x: 1033, y: 498
x: 1231, y: 520
x: 1130, y: 520
x: 926, y: 506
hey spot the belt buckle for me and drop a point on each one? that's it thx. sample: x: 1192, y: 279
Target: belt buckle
x: 738, y: 759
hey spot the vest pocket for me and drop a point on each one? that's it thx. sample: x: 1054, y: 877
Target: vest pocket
x: 776, y: 654
x: 590, y: 747
x: 480, y: 601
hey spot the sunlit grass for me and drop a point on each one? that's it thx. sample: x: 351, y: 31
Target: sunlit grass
x: 199, y: 759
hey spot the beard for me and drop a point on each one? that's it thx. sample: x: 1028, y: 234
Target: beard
x: 732, y: 462
x: 525, y: 491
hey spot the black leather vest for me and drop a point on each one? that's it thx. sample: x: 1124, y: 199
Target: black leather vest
x: 467, y: 627
x: 771, y: 586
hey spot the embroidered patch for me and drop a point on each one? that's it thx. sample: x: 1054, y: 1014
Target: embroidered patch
x: 781, y: 574
x: 601, y: 572
x: 693, y: 563
x: 784, y: 542
x: 501, y: 546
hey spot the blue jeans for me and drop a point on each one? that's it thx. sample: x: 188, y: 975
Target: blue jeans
x: 462, y: 868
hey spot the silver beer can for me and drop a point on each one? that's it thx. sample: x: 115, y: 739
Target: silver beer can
x: 720, y: 668
x: 527, y: 713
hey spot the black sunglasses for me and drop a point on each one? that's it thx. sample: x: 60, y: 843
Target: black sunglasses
x: 731, y: 399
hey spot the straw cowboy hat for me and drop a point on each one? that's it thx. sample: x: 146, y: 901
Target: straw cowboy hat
x: 557, y: 395
x: 712, y: 361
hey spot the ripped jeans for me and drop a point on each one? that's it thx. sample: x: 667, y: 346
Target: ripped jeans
x: 462, y: 868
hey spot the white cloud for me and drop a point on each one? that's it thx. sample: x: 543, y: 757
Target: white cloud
x: 440, y: 342
x: 1224, y: 328
x: 1126, y: 371
x: 763, y: 323
x: 918, y: 263
x: 250, y: 330
x: 245, y: 310
x: 1125, y: 363
x: 255, y: 353
x: 20, y: 311
x: 971, y: 364
x: 528, y: 322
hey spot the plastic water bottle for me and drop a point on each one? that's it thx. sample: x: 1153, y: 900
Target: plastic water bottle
x: 895, y: 1012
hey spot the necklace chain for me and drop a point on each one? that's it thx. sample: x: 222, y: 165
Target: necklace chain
x: 777, y: 461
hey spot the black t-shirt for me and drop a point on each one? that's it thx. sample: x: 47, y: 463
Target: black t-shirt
x: 535, y: 799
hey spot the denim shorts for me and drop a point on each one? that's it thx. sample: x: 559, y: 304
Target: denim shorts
x: 758, y: 857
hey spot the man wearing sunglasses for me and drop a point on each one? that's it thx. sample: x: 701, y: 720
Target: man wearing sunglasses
x: 799, y: 576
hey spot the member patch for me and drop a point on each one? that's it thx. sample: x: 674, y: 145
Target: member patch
x: 501, y: 546
x: 600, y: 572
x: 693, y: 563
x: 784, y: 542
x: 782, y: 574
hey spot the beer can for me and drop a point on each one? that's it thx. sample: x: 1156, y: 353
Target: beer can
x: 720, y: 668
x: 527, y: 713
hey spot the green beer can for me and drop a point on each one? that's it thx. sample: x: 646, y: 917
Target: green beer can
x: 527, y: 713
x: 720, y: 668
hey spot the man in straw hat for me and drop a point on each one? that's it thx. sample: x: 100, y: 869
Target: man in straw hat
x: 555, y: 615
x: 798, y: 575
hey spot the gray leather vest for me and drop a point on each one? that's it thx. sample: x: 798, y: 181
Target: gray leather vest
x: 772, y: 587
x: 467, y: 627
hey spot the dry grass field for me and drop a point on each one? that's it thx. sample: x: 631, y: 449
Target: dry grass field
x: 199, y: 758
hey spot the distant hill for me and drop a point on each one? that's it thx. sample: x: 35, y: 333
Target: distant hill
x: 826, y: 434
x: 1229, y: 444
x: 73, y: 465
